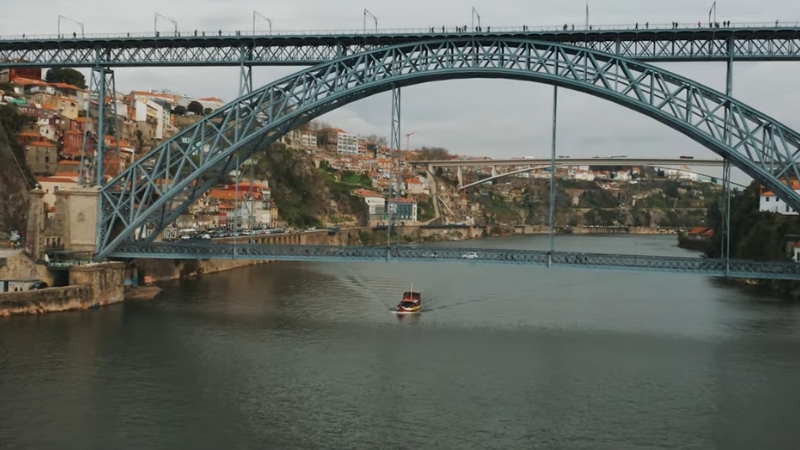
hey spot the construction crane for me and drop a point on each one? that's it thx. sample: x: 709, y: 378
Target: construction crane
x: 408, y: 139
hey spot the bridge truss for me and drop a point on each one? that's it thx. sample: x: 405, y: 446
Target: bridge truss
x: 699, y: 44
x: 688, y: 265
x: 160, y: 186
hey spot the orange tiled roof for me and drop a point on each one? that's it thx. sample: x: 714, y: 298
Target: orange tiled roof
x: 57, y: 179
x: 697, y: 230
x: 41, y: 144
x: 27, y: 81
x: 65, y: 86
x: 366, y: 193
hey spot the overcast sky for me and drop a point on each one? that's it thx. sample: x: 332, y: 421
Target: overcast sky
x: 496, y: 118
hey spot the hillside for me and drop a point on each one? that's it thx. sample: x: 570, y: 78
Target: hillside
x: 650, y: 203
x: 306, y: 195
x: 15, y: 179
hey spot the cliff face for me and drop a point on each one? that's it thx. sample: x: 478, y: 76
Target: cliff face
x: 305, y: 195
x: 15, y: 182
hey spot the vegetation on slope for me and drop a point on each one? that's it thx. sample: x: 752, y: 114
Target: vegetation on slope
x: 15, y: 177
x: 306, y: 196
x: 755, y: 234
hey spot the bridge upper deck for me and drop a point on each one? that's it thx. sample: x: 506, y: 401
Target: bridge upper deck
x: 743, y: 43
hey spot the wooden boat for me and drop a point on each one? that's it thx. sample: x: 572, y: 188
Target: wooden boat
x: 411, y: 302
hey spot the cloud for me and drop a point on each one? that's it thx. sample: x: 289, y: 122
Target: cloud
x: 477, y: 117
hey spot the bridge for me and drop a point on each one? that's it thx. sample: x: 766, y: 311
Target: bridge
x: 609, y: 64
x: 659, y: 43
x: 627, y: 162
x: 687, y: 265
x: 531, y: 164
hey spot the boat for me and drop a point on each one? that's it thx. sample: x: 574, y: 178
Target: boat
x: 411, y: 302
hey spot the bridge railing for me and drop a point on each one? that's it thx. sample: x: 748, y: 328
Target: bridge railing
x: 395, y: 31
x: 679, y: 264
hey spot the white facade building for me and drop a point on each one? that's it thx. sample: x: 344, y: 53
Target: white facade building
x: 770, y: 203
x: 346, y: 144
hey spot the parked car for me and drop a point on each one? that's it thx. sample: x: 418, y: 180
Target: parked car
x: 470, y: 255
x: 38, y: 285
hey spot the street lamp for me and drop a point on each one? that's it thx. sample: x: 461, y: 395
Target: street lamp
x: 174, y: 24
x: 475, y: 13
x: 366, y: 11
x: 60, y: 17
x: 256, y: 13
x: 712, y: 10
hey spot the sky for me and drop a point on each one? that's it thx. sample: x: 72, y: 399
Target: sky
x: 495, y: 118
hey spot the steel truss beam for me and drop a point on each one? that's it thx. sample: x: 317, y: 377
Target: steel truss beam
x: 747, y: 44
x: 167, y: 180
x: 394, y: 151
x: 102, y: 108
x: 689, y: 265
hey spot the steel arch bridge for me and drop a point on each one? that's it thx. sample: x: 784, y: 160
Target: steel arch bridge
x: 159, y: 186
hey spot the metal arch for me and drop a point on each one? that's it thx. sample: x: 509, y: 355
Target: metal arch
x: 159, y: 186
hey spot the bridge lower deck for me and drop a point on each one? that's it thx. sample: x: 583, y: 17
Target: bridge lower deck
x: 778, y: 270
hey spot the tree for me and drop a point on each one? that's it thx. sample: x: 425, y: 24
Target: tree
x: 195, y: 107
x: 179, y: 110
x: 207, y: 111
x: 12, y: 120
x: 434, y: 153
x: 66, y: 75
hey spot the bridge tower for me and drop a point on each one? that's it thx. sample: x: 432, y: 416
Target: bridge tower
x: 102, y: 108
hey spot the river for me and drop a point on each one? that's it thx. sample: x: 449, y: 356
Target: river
x: 308, y: 356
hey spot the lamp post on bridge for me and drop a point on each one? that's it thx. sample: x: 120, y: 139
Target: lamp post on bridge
x: 714, y: 11
x: 174, y: 23
x: 366, y: 12
x: 60, y: 17
x: 256, y: 13
x: 474, y: 14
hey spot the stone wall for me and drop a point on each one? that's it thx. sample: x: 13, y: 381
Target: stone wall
x: 105, y: 279
x: 20, y: 267
x: 46, y: 300
x: 90, y: 286
x: 153, y: 270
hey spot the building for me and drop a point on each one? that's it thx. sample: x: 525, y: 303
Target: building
x: 41, y: 157
x: 769, y: 202
x: 405, y: 210
x: 308, y: 139
x: 51, y: 185
x: 9, y: 74
x: 375, y: 202
x: 346, y: 144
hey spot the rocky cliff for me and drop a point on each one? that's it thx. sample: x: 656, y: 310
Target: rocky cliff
x: 305, y: 194
x: 15, y: 182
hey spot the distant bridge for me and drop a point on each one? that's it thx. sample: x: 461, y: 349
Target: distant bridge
x: 622, y: 162
x: 687, y: 265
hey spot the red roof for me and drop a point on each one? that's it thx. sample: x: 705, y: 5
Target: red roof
x: 54, y: 180
x: 40, y: 144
